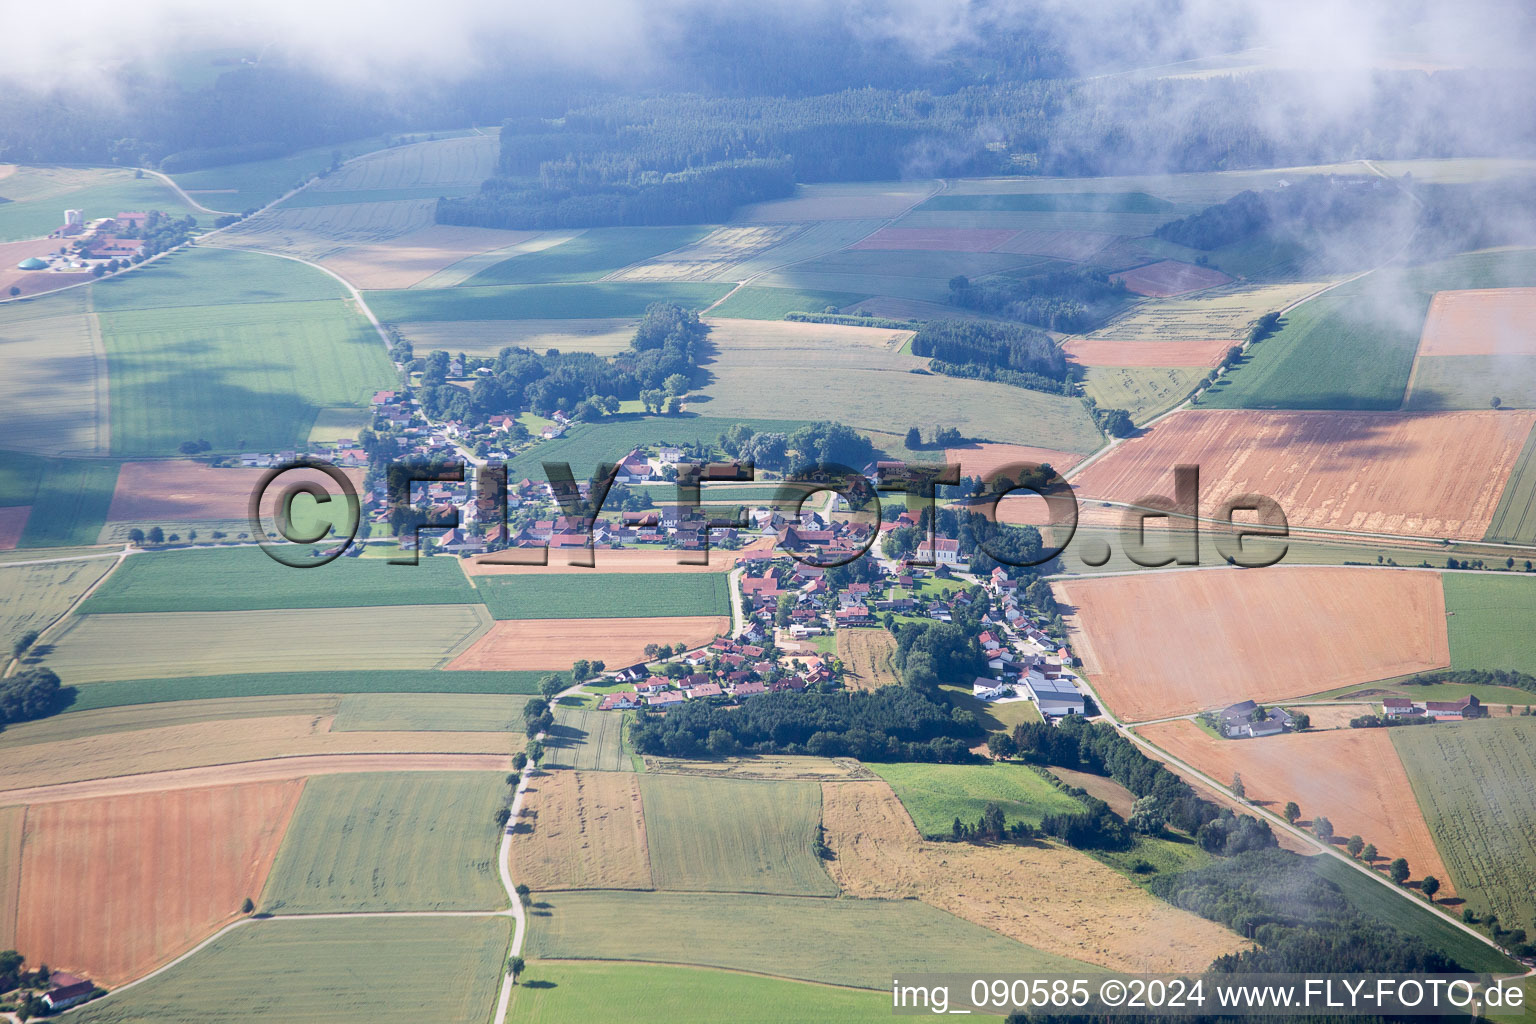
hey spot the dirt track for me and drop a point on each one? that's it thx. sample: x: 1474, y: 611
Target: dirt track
x: 271, y: 769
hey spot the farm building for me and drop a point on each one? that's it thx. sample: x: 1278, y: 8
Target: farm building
x: 1247, y: 719
x: 32, y: 263
x: 1054, y: 698
x: 67, y: 990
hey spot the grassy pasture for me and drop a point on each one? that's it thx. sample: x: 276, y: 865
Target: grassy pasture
x: 321, y: 232
x: 1144, y: 392
x: 326, y: 972
x: 438, y: 712
x: 134, y: 692
x: 734, y: 835
x: 1471, y: 382
x: 586, y: 739
x: 588, y: 256
x: 843, y: 942
x: 1050, y: 202
x: 813, y: 240
x: 657, y: 994
x: 312, y: 198
x: 936, y: 794
x: 95, y: 192
x: 604, y: 596
x: 755, y: 302
x: 92, y: 648
x: 1514, y: 520
x: 901, y: 286
x: 1490, y: 621
x: 461, y: 161
x: 32, y: 596
x: 1353, y: 347
x: 1473, y: 782
x: 539, y: 301
x: 239, y: 376
x: 211, y: 277
x: 236, y: 187
x: 246, y: 579
x: 391, y: 841
x: 52, y: 395
x: 69, y: 497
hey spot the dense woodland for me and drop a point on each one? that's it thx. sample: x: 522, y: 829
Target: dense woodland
x: 1007, y: 353
x: 1068, y: 301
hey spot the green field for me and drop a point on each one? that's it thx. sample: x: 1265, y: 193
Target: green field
x: 1141, y: 391
x: 237, y: 187
x: 214, y: 277
x: 53, y: 393
x: 757, y: 303
x: 844, y: 942
x: 246, y: 579
x: 1490, y: 620
x: 1473, y: 782
x: 312, y: 197
x: 391, y: 841
x: 606, y: 595
x: 1053, y: 202
x: 657, y: 994
x: 586, y: 739
x: 126, y: 692
x: 96, y: 193
x: 69, y: 497
x: 437, y: 712
x: 240, y: 376
x: 936, y: 794
x: 1375, y: 900
x: 588, y: 256
x: 734, y: 835
x: 609, y: 440
x: 362, y: 971
x: 155, y: 645
x: 1514, y: 519
x: 1471, y: 382
x: 32, y: 596
x: 538, y: 301
x: 1353, y: 347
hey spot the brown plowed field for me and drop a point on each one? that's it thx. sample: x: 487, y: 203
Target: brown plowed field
x: 1170, y: 277
x: 1045, y: 896
x: 1102, y: 352
x: 202, y: 744
x: 13, y: 520
x: 983, y: 457
x: 1065, y: 245
x: 272, y: 769
x: 1421, y: 474
x: 937, y: 239
x: 1159, y: 644
x: 585, y: 830
x: 619, y: 560
x: 113, y: 888
x: 1481, y: 322
x: 537, y: 644
x: 1353, y: 777
x: 178, y: 491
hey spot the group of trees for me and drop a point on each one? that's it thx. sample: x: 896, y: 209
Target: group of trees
x: 815, y: 444
x: 1060, y: 300
x: 986, y: 350
x: 895, y: 723
x: 28, y: 694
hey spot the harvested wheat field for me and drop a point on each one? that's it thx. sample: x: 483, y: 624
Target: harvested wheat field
x: 711, y: 256
x: 1170, y: 277
x: 1419, y: 474
x: 416, y: 256
x: 937, y: 239
x: 1063, y: 245
x: 538, y: 644
x: 816, y: 344
x: 618, y: 560
x: 1170, y: 643
x: 202, y: 744
x: 270, y: 770
x: 13, y: 520
x: 1334, y: 716
x: 1108, y: 352
x: 12, y: 820
x: 114, y: 888
x: 763, y: 766
x: 180, y: 491
x: 981, y: 458
x: 582, y: 830
x: 1480, y: 322
x: 1045, y: 896
x: 866, y: 658
x: 1353, y: 777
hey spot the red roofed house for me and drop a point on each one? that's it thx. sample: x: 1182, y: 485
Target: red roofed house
x: 67, y: 990
x: 704, y: 690
x: 619, y: 702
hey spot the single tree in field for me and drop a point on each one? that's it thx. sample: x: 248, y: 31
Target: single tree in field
x: 551, y: 685
x: 1369, y: 853
x: 24, y: 641
x: 156, y: 535
x: 1292, y: 812
x: 1398, y: 870
x: 1301, y: 720
x: 524, y: 894
x: 515, y: 967
x: 247, y: 906
x: 1495, y: 401
x: 1354, y: 846
x: 914, y: 439
x: 519, y: 761
x: 1237, y: 786
x: 1430, y: 886
x: 503, y: 815
x: 136, y: 537
x: 535, y: 751
x: 1322, y: 828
